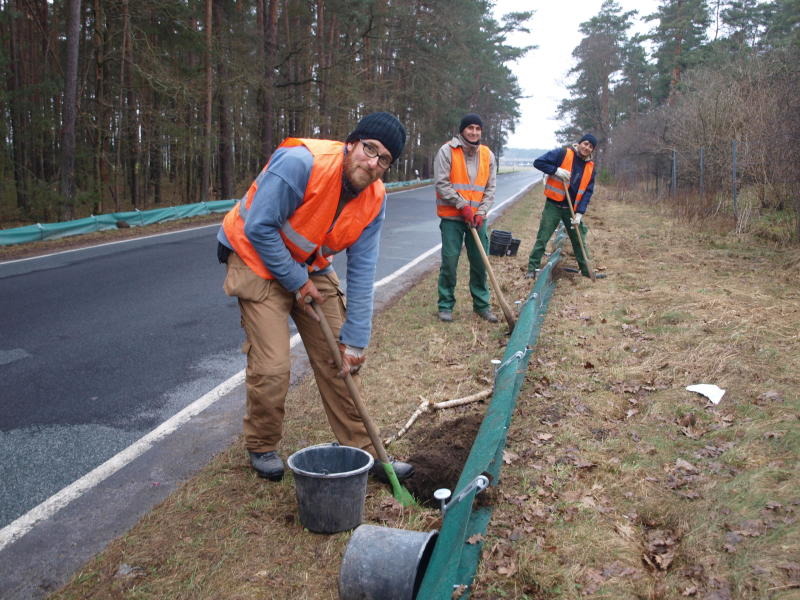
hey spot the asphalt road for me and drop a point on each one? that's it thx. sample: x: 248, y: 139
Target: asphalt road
x: 100, y: 346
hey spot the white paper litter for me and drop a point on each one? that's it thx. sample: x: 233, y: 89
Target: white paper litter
x: 710, y: 391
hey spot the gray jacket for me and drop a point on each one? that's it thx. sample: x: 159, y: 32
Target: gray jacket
x: 441, y: 175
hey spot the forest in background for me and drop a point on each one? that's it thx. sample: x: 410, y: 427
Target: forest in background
x: 704, y: 107
x: 109, y: 105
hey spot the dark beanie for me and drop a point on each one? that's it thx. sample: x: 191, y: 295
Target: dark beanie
x: 470, y: 119
x: 383, y: 127
x: 588, y: 137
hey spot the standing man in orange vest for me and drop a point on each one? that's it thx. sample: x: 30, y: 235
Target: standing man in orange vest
x: 313, y: 199
x: 464, y: 173
x: 574, y: 167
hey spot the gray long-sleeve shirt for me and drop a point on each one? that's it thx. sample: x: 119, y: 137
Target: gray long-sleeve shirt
x: 441, y: 175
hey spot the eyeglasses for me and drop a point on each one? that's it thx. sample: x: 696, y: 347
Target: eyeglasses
x: 371, y: 151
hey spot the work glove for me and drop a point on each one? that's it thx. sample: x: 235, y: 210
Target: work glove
x: 308, y: 292
x: 352, y: 359
x: 576, y: 220
x: 562, y: 174
x: 477, y: 221
x: 468, y: 214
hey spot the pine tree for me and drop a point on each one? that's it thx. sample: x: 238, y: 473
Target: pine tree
x: 679, y: 36
x: 599, y: 59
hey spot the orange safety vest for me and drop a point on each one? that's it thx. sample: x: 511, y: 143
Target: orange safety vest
x: 310, y: 234
x: 554, y: 187
x: 472, y: 191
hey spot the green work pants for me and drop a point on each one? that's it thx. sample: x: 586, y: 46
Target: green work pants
x: 551, y: 216
x: 455, y: 235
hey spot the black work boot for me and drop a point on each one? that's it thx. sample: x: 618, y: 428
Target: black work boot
x: 403, y: 470
x: 267, y: 464
x: 487, y: 315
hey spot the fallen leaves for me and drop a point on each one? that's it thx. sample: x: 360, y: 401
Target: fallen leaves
x: 751, y: 528
x: 689, y: 591
x: 593, y: 578
x: 501, y: 558
x: 686, y: 466
x: 389, y: 511
x: 126, y: 571
x: 659, y: 548
x: 768, y: 398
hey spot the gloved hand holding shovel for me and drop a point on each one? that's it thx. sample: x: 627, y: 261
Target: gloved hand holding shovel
x: 351, y: 360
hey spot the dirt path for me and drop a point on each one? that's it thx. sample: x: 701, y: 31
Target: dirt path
x: 618, y: 482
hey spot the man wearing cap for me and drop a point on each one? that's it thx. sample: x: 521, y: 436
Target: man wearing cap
x: 572, y: 167
x: 313, y: 199
x: 464, y: 173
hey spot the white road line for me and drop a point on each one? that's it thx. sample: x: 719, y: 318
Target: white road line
x: 22, y: 525
x: 56, y: 502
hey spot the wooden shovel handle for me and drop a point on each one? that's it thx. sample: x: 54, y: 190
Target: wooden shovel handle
x: 580, y: 237
x: 372, y: 431
x: 507, y: 313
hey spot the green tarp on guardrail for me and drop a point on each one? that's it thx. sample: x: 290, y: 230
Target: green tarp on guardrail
x: 133, y: 218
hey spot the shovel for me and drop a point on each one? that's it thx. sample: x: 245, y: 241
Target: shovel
x: 580, y: 237
x: 398, y: 491
x: 500, y: 298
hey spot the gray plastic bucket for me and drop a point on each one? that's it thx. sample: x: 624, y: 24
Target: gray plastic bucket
x: 383, y: 563
x: 331, y: 485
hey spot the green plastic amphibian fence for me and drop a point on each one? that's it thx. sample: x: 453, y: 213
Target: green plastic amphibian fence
x: 454, y: 561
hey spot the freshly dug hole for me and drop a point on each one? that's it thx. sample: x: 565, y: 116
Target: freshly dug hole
x: 440, y: 456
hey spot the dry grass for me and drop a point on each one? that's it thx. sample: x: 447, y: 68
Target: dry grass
x: 629, y: 486
x: 621, y: 484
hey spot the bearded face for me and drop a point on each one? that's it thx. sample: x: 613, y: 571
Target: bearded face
x: 363, y: 163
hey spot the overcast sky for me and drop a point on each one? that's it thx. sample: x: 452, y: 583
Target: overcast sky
x: 542, y: 74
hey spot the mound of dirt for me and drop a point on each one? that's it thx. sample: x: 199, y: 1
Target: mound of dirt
x: 440, y: 459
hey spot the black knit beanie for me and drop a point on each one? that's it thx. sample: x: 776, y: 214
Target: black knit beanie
x: 470, y: 119
x: 588, y: 137
x: 383, y: 127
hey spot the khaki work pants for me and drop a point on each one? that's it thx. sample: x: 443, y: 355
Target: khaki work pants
x: 265, y: 307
